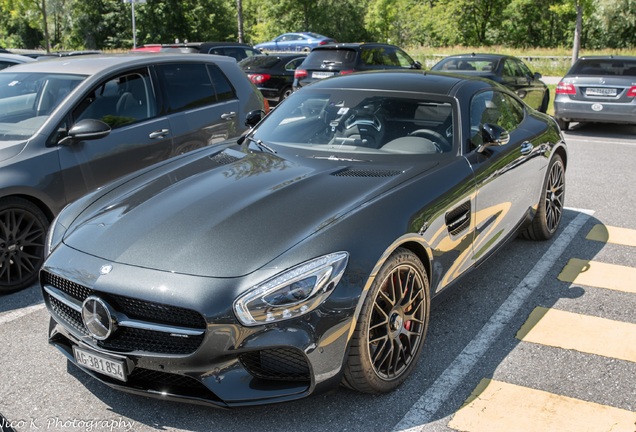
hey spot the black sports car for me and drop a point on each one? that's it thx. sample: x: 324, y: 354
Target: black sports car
x: 306, y: 253
x: 504, y: 69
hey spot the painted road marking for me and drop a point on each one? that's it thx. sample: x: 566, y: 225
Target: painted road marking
x: 424, y: 409
x: 615, y: 235
x: 19, y: 313
x: 497, y: 406
x: 599, y: 275
x: 583, y: 333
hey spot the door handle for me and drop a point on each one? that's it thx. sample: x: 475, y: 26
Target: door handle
x: 158, y: 134
x: 526, y: 148
x: 228, y: 115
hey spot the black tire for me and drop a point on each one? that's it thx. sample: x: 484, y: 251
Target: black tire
x: 392, y: 326
x: 284, y: 93
x: 545, y: 102
x: 550, y: 209
x: 23, y: 229
x: 564, y: 125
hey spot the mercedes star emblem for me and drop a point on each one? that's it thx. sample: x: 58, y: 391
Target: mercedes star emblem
x: 97, y: 318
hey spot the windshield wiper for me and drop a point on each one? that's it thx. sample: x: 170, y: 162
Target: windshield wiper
x: 260, y: 144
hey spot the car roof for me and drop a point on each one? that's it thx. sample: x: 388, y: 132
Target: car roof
x: 607, y: 57
x: 479, y: 55
x: 93, y: 64
x: 17, y: 57
x: 353, y: 45
x: 403, y: 81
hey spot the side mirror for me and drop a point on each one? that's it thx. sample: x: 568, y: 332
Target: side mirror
x: 537, y: 75
x: 87, y: 129
x: 416, y: 65
x: 493, y: 135
x: 253, y: 117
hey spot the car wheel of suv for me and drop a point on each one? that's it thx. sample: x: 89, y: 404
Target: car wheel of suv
x: 545, y: 102
x: 23, y: 229
x: 392, y: 326
x: 564, y: 125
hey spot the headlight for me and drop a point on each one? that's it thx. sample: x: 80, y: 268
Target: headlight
x: 54, y: 236
x: 292, y: 293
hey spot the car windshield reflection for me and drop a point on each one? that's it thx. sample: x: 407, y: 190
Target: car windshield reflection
x: 361, y: 122
x: 27, y: 99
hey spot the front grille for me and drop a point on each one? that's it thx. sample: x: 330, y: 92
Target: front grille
x: 357, y: 172
x: 277, y: 364
x: 127, y: 339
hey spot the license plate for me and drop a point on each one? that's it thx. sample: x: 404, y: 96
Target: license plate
x: 101, y: 364
x: 600, y: 91
x: 321, y: 75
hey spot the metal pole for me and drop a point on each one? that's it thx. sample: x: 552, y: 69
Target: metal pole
x: 134, y: 30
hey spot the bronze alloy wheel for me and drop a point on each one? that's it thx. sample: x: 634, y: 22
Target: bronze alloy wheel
x: 22, y: 235
x: 392, y: 326
x: 555, y: 191
x: 550, y: 209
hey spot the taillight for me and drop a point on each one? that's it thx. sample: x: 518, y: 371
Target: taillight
x: 259, y: 78
x: 346, y: 71
x: 300, y: 74
x: 631, y: 92
x: 565, y: 88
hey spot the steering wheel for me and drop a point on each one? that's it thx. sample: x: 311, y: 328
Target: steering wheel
x: 440, y: 142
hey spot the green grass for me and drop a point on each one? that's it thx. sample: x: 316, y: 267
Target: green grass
x: 552, y: 88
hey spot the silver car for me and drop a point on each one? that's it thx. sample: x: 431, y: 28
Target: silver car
x: 8, y: 60
x: 70, y: 125
x: 598, y: 89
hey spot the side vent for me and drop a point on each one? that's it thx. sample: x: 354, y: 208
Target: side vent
x: 357, y: 172
x: 223, y: 158
x: 458, y: 219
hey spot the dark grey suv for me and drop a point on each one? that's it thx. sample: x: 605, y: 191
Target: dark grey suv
x: 339, y: 59
x: 71, y: 125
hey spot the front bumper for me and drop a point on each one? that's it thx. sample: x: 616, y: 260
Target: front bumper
x: 227, y: 365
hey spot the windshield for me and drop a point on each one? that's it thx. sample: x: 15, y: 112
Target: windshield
x: 356, y: 121
x: 605, y: 67
x: 27, y: 99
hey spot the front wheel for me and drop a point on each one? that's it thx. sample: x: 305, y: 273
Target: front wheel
x: 564, y: 125
x: 392, y: 326
x: 23, y: 229
x: 550, y: 210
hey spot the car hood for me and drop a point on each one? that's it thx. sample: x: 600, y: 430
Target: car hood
x: 224, y: 214
x: 10, y: 149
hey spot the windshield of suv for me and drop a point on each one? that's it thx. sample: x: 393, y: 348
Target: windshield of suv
x: 356, y: 121
x: 27, y: 100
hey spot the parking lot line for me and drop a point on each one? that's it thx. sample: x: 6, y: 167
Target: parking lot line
x: 19, y: 313
x: 583, y: 333
x: 599, y: 275
x: 615, y: 235
x: 425, y: 408
x: 497, y: 406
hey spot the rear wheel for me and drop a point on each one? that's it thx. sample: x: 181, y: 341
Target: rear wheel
x: 564, y: 125
x: 23, y: 229
x: 284, y: 93
x: 548, y: 217
x: 392, y: 326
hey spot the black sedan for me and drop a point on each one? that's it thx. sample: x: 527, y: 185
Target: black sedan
x: 272, y: 74
x: 306, y: 253
x: 507, y: 70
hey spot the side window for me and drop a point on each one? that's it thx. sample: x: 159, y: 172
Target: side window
x: 525, y: 71
x: 292, y: 65
x: 495, y: 108
x: 188, y: 85
x: 124, y: 99
x: 403, y: 59
x: 222, y: 86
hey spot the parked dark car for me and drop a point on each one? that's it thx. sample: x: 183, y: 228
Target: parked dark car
x: 7, y: 60
x: 306, y: 253
x: 301, y: 41
x: 272, y: 74
x: 236, y: 50
x: 67, y: 126
x: 597, y: 89
x: 340, y: 59
x: 507, y: 70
